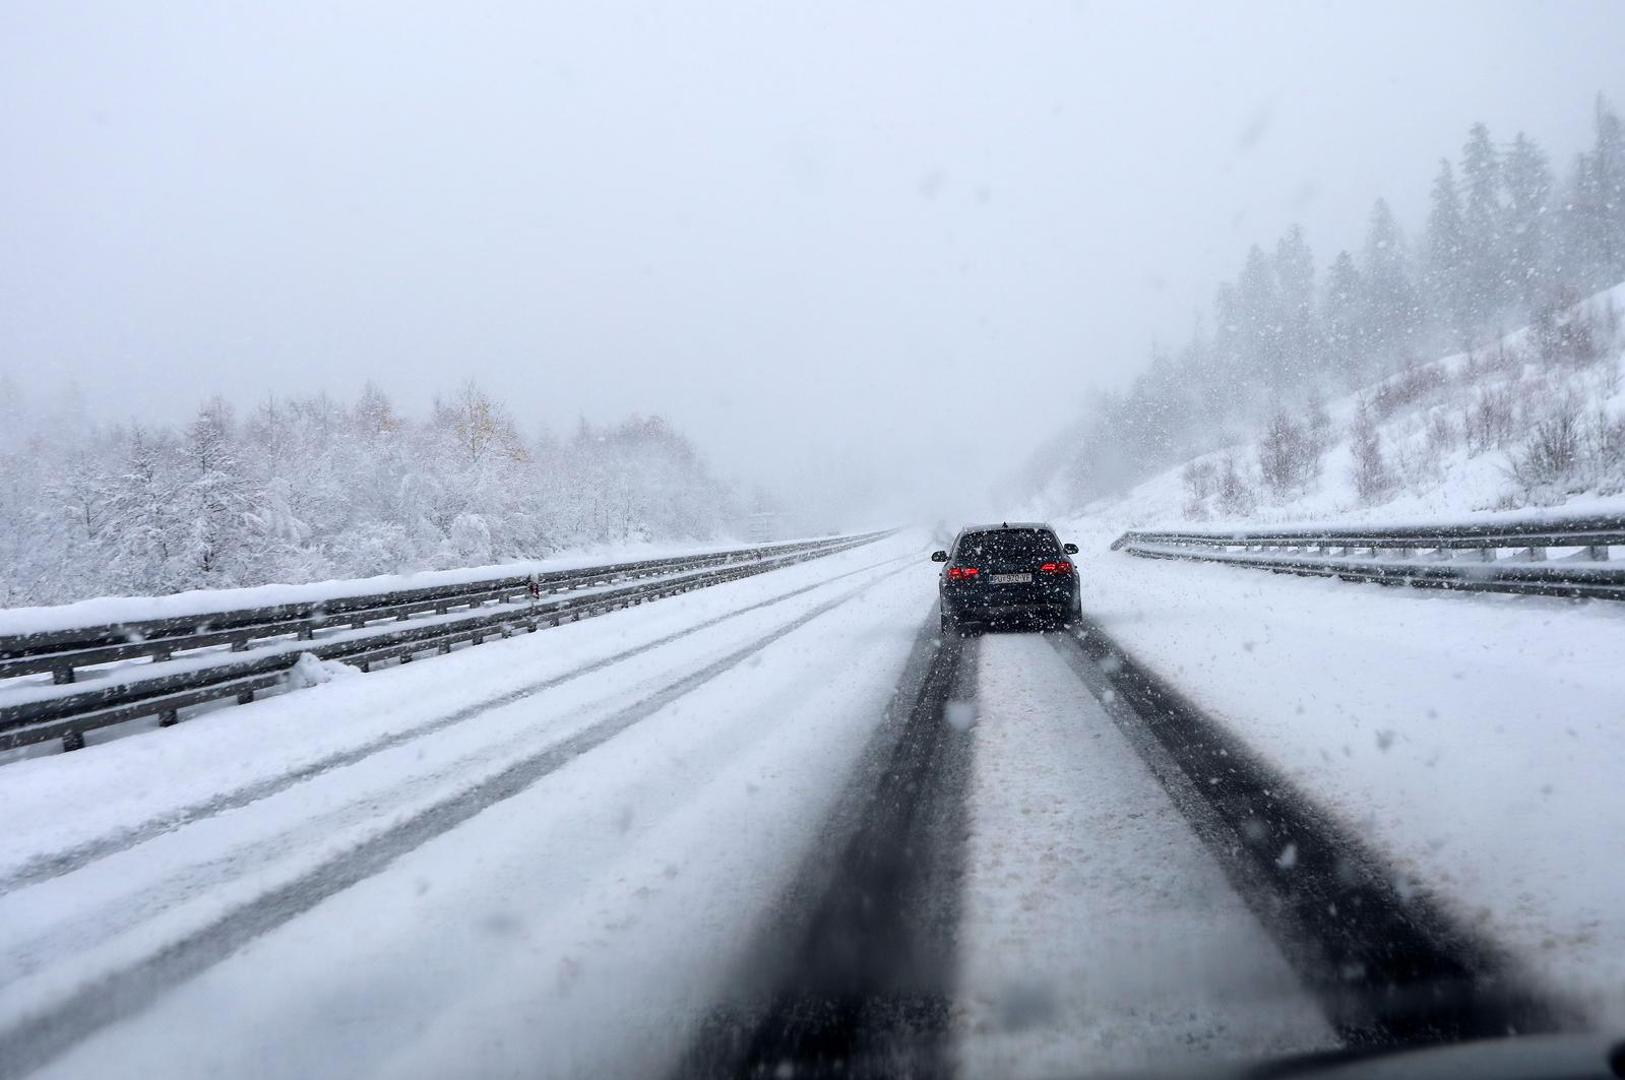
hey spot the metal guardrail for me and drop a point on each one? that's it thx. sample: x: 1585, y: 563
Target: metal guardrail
x: 498, y: 607
x: 1567, y: 557
x: 62, y: 652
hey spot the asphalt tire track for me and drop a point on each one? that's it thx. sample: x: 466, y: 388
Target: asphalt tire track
x: 853, y: 975
x: 1387, y: 964
x: 38, y: 1039
x: 45, y: 867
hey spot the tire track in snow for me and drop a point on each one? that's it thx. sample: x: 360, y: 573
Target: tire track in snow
x: 860, y: 960
x: 37, y: 1039
x: 1387, y: 964
x: 45, y: 867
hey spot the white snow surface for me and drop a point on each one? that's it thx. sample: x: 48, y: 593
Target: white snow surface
x: 1098, y: 934
x: 1473, y: 739
x: 581, y: 926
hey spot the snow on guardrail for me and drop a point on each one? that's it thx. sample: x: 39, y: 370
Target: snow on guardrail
x: 1565, y: 557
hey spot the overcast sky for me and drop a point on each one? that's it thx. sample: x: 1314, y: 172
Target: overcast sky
x: 874, y: 248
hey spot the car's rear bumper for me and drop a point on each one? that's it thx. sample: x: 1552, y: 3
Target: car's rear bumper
x: 1050, y: 602
x: 1013, y: 614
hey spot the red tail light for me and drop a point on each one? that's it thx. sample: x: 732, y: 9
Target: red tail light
x: 960, y: 573
x: 1062, y: 567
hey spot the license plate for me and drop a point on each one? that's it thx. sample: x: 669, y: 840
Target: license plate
x: 1012, y: 579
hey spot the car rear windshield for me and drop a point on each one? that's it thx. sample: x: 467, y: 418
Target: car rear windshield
x: 1001, y: 549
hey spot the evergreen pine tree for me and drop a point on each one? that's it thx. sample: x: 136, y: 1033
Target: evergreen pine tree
x: 1341, y: 316
x: 1482, y: 230
x: 1607, y: 190
x: 1259, y: 302
x: 1302, y: 355
x: 1528, y: 181
x: 1444, y: 274
x: 1390, y: 312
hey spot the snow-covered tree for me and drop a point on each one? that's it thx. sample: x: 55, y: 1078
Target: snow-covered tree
x: 1373, y: 479
x: 1528, y: 181
x: 1392, y: 313
x: 1303, y: 358
x: 303, y: 489
x: 1445, y: 279
x: 1483, y: 223
x: 1342, y: 316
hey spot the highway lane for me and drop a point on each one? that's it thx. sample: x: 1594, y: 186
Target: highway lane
x: 799, y: 828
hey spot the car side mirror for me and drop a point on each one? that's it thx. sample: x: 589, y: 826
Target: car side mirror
x: 939, y: 556
x: 1070, y: 549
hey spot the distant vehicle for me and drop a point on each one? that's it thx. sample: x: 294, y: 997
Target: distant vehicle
x: 1008, y: 575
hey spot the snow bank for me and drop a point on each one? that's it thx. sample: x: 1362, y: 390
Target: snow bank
x: 311, y: 670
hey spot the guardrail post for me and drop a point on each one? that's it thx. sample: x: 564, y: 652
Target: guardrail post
x: 62, y: 675
x: 72, y: 740
x: 1535, y: 554
x: 1597, y: 552
x: 168, y: 718
x: 245, y: 697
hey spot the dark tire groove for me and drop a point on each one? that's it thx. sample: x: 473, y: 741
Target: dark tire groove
x: 1388, y: 965
x: 853, y: 976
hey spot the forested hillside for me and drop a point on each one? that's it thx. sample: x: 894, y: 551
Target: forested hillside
x: 1508, y: 242
x: 311, y: 488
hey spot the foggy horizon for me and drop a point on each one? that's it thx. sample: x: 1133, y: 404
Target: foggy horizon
x: 768, y: 228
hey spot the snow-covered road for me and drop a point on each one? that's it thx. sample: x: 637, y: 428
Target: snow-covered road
x: 562, y: 853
